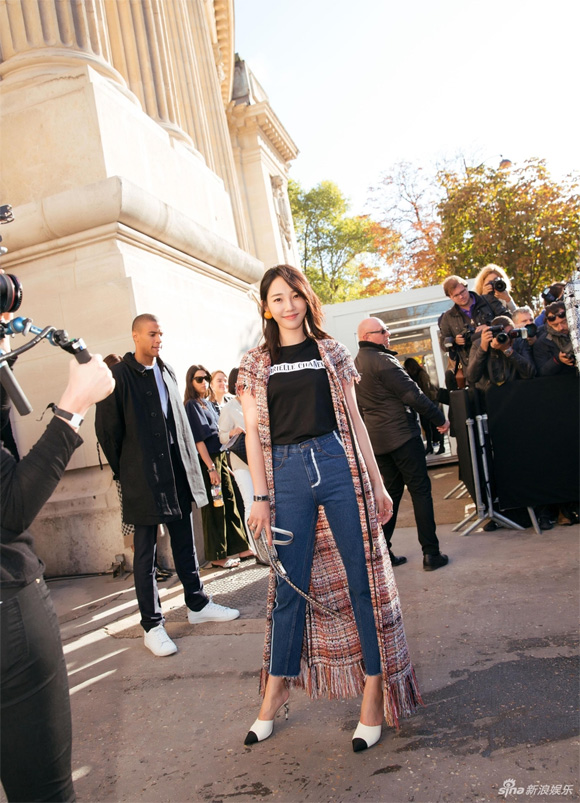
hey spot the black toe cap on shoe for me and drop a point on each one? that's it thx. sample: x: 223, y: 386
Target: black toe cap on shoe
x: 358, y: 745
x: 251, y: 738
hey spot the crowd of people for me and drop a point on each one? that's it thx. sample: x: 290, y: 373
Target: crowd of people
x: 302, y: 440
x: 490, y: 341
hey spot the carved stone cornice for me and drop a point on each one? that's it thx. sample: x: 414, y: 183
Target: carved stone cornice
x: 224, y: 53
x: 260, y: 115
x: 116, y: 200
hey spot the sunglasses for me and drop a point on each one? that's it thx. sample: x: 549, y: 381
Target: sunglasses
x: 201, y: 378
x: 553, y: 315
x: 378, y: 332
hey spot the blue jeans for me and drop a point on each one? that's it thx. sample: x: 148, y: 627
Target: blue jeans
x: 307, y: 475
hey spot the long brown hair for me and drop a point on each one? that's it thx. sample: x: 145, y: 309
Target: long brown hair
x: 190, y: 390
x: 300, y: 284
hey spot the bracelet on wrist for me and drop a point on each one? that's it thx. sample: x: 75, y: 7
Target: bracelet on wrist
x: 76, y: 419
x: 212, y: 468
x: 262, y: 498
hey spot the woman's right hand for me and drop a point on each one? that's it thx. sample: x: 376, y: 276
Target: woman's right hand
x: 214, y: 477
x: 236, y: 431
x: 259, y: 519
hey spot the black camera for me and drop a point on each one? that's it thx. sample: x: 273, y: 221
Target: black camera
x: 549, y: 296
x: 10, y: 293
x: 10, y: 287
x: 498, y: 284
x: 530, y: 330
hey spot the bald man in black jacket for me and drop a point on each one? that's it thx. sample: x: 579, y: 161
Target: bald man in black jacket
x: 388, y: 400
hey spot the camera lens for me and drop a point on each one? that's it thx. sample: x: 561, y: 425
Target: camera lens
x: 499, y: 285
x: 502, y: 337
x: 10, y: 293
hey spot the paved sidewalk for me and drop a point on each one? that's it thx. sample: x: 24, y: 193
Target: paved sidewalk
x: 493, y: 637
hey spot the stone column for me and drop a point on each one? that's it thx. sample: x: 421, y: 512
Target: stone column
x: 216, y: 116
x: 48, y: 36
x: 138, y: 32
x: 188, y: 89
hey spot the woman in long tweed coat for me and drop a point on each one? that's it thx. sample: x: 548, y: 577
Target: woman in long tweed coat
x: 315, y: 475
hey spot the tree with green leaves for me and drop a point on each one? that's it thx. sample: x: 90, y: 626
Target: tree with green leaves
x: 342, y: 256
x: 519, y: 218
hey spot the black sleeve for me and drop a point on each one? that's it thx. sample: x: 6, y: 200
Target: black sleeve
x: 524, y: 368
x: 445, y: 329
x: 545, y: 358
x: 397, y: 381
x: 497, y: 306
x: 110, y: 426
x: 25, y: 486
x: 476, y: 365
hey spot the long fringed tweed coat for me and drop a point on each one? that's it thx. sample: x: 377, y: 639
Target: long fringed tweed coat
x: 332, y: 661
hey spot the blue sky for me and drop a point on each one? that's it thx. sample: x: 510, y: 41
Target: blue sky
x: 362, y: 84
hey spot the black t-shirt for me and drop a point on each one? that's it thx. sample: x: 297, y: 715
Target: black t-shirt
x: 299, y: 399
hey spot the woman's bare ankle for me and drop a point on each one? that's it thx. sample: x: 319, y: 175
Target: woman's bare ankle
x: 276, y: 694
x: 371, y: 712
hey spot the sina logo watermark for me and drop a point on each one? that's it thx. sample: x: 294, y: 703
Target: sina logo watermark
x: 509, y: 788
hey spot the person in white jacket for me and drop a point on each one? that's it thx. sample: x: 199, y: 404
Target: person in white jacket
x: 231, y: 423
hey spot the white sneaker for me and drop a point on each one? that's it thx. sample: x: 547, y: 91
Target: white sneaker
x: 159, y: 642
x: 212, y: 613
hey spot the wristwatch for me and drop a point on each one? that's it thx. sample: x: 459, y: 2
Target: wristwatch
x: 76, y: 419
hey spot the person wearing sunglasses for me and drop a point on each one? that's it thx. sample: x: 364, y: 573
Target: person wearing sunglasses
x: 553, y: 352
x: 224, y: 533
x: 390, y: 400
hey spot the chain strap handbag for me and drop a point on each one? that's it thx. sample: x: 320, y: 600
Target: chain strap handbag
x: 280, y: 571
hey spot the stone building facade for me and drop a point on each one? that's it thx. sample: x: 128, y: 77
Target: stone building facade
x: 148, y: 173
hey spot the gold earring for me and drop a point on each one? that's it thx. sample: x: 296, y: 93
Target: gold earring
x: 268, y: 315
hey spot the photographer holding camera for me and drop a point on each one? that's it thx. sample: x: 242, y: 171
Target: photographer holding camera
x: 492, y: 281
x: 35, y: 749
x: 552, y: 293
x: 494, y: 360
x: 553, y: 352
x: 461, y: 324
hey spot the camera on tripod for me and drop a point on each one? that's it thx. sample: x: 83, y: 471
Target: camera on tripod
x: 530, y: 330
x: 497, y: 285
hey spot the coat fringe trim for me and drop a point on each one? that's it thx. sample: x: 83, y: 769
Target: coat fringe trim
x: 401, y: 695
x: 331, y: 663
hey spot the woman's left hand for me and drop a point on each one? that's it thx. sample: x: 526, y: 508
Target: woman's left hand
x: 383, y: 503
x: 503, y: 296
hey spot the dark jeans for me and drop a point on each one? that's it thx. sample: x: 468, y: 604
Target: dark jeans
x: 309, y: 475
x: 407, y: 466
x: 35, y: 713
x: 184, y: 555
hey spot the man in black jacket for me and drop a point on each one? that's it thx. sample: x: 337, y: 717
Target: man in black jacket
x: 493, y: 361
x: 147, y: 440
x: 389, y: 400
x: 468, y: 315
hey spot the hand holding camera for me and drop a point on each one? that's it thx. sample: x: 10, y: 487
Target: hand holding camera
x: 88, y: 383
